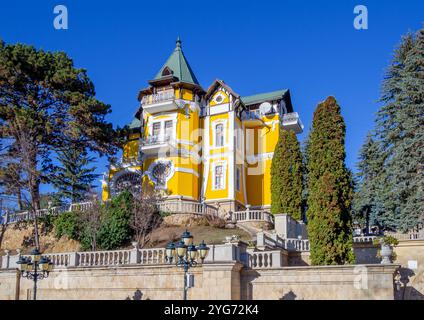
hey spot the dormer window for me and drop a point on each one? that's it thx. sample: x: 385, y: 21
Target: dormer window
x: 167, y: 71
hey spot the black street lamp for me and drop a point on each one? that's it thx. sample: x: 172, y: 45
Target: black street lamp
x: 35, y: 268
x: 186, y: 254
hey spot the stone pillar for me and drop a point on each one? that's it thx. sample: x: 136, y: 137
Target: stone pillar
x: 221, y: 281
x: 277, y: 261
x: 281, y: 225
x: 5, y: 260
x: 13, y: 259
x: 74, y: 259
x: 260, y: 240
x: 135, y: 253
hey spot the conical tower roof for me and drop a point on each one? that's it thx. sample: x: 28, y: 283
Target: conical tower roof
x: 178, y: 66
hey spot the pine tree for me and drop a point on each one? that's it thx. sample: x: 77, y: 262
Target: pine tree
x: 45, y: 104
x: 329, y: 187
x: 367, y: 203
x: 286, y: 176
x: 396, y: 193
x: 407, y: 163
x: 73, y: 179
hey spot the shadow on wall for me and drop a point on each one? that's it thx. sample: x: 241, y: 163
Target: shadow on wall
x: 289, y: 296
x: 138, y: 295
x: 403, y: 291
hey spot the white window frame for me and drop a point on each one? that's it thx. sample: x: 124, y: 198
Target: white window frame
x: 170, y: 117
x: 224, y: 175
x: 224, y: 133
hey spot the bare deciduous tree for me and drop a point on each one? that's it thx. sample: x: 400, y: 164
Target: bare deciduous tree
x: 91, y: 220
x: 144, y: 216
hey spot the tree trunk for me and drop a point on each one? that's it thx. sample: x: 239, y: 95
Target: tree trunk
x: 19, y: 196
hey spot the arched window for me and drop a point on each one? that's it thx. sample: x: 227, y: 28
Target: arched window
x: 219, y: 132
x: 130, y: 181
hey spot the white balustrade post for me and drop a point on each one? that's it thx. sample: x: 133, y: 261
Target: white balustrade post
x: 74, y: 259
x: 277, y: 262
x: 135, y: 253
x: 13, y: 259
x: 260, y: 239
x: 5, y: 260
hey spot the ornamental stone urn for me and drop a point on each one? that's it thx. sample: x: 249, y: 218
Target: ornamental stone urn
x: 386, y: 253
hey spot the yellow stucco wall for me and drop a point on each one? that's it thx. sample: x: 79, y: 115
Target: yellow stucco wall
x: 259, y: 141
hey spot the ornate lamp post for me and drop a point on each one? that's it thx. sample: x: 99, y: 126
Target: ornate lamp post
x: 35, y: 268
x: 186, y: 254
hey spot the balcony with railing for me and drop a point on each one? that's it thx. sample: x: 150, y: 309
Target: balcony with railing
x: 252, y: 116
x: 159, y: 102
x: 291, y: 121
x: 154, y: 144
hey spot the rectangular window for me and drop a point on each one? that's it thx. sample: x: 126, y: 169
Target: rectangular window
x: 219, y: 135
x: 168, y: 128
x: 219, y: 178
x: 238, y: 179
x: 156, y: 129
x: 238, y: 139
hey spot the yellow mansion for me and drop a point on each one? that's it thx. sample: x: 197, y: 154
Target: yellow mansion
x: 206, y: 149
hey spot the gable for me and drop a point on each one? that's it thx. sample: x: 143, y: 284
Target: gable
x: 219, y: 97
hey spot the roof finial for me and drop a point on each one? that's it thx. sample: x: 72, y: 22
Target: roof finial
x: 178, y: 42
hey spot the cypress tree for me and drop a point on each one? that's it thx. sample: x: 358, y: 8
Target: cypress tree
x: 286, y: 176
x: 329, y: 187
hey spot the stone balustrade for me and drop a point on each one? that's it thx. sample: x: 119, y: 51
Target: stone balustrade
x: 104, y: 258
x: 265, y: 259
x: 28, y: 215
x: 417, y: 235
x: 364, y: 239
x: 134, y: 256
x: 299, y: 245
x: 173, y: 207
x: 152, y: 256
x: 253, y: 216
x: 190, y: 207
x: 265, y: 240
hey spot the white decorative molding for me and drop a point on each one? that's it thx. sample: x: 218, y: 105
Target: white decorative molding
x: 185, y: 170
x: 171, y: 173
x: 222, y: 108
x: 206, y: 167
x: 231, y: 157
x: 186, y: 142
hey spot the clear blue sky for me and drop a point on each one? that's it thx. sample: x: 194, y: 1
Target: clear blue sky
x: 310, y: 47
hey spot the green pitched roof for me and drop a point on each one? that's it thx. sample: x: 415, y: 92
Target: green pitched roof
x: 177, y: 62
x: 258, y: 98
x: 135, y: 124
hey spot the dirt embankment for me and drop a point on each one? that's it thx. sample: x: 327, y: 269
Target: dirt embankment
x: 22, y: 238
